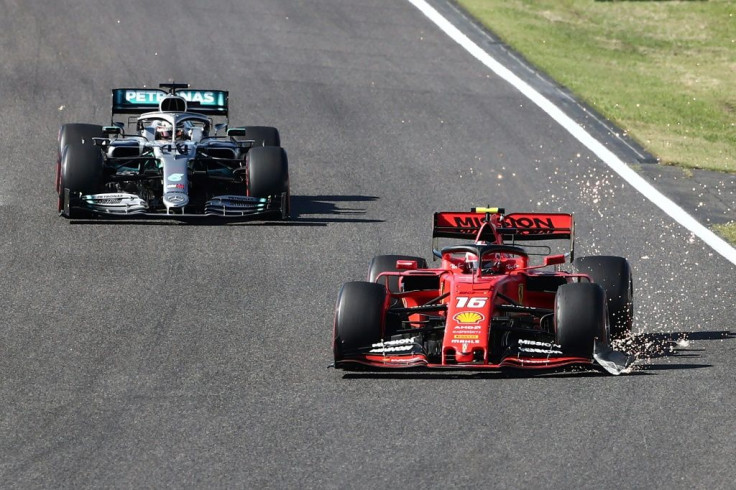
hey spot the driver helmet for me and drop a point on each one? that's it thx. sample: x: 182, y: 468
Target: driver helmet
x: 471, y: 261
x: 492, y: 263
x: 184, y: 130
x: 163, y: 131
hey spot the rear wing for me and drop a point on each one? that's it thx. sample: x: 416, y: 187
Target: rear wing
x: 140, y: 100
x: 512, y: 228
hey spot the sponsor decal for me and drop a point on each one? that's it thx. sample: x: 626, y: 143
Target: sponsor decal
x: 467, y: 222
x: 144, y: 96
x: 204, y: 98
x: 175, y: 177
x: 400, y: 345
x: 468, y: 317
x: 465, y: 337
x: 535, y: 347
x: 525, y: 224
x: 463, y: 341
x: 397, y: 348
x: 174, y: 186
x: 535, y: 223
x: 468, y: 327
x: 156, y: 96
x: 175, y: 198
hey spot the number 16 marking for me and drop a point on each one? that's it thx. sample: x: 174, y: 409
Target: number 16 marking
x: 466, y: 302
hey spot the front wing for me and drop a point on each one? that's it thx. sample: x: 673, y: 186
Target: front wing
x: 129, y: 207
x: 604, y: 357
x: 420, y: 361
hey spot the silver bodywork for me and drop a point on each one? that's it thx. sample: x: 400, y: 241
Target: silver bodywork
x: 149, y: 172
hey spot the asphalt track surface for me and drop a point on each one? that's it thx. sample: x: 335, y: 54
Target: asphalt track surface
x: 178, y: 356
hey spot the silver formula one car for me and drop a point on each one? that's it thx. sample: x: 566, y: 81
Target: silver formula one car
x: 176, y: 165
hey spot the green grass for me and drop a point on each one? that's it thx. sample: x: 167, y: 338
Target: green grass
x: 727, y: 231
x: 664, y: 71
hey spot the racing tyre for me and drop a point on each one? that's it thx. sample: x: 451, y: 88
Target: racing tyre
x: 268, y: 171
x: 359, y: 317
x: 580, y: 318
x: 614, y: 276
x: 74, y: 133
x: 81, y: 170
x: 263, y: 135
x: 78, y: 133
x: 387, y: 263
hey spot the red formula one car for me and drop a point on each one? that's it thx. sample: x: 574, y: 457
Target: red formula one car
x: 501, y: 299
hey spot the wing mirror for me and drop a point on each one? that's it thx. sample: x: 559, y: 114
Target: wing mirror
x: 219, y: 127
x: 554, y: 259
x: 407, y: 265
x: 236, y: 132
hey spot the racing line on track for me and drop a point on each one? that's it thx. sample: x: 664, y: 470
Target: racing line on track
x: 595, y: 146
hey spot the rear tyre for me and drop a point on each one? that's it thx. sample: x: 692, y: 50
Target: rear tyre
x: 614, y: 276
x: 359, y: 317
x: 580, y: 318
x: 263, y: 135
x: 387, y: 263
x: 81, y: 170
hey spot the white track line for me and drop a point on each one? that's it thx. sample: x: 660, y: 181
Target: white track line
x: 618, y: 166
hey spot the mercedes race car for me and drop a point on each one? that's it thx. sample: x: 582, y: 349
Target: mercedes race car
x: 499, y: 299
x: 181, y: 162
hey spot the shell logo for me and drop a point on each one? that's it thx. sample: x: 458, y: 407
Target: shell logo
x: 468, y: 317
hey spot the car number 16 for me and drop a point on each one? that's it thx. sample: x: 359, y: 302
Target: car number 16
x: 467, y: 302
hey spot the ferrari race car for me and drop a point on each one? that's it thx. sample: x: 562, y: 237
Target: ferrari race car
x: 488, y: 305
x: 178, y: 164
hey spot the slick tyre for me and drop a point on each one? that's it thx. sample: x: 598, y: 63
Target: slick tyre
x: 580, y: 318
x: 263, y: 135
x: 79, y: 133
x: 614, y: 276
x: 359, y: 318
x: 387, y: 263
x: 81, y: 170
x: 267, y: 171
x: 74, y: 134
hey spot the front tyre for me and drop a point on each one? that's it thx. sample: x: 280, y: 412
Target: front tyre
x: 78, y: 133
x: 268, y: 173
x: 359, y: 318
x: 75, y: 133
x: 81, y: 171
x: 614, y: 276
x: 580, y: 318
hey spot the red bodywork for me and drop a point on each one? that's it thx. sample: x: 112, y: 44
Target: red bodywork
x: 490, y: 307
